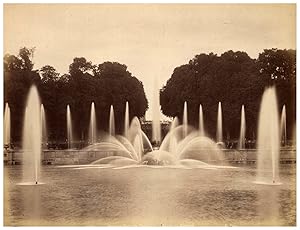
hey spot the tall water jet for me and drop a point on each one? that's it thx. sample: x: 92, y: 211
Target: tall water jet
x: 283, y: 126
x: 44, y: 125
x: 93, y: 126
x: 219, y: 134
x: 268, y: 139
x: 69, y: 127
x: 126, y: 120
x: 201, y: 122
x: 32, y: 138
x: 111, y: 130
x: 185, y: 120
x: 156, y: 130
x: 242, y: 129
x: 7, y: 124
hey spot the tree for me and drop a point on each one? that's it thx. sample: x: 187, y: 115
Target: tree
x: 80, y: 66
x: 49, y: 74
x: 109, y: 83
x: 231, y: 78
x: 278, y: 67
x: 18, y: 77
x: 234, y: 79
x: 26, y: 56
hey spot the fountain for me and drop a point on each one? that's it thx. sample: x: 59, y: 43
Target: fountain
x: 123, y: 150
x: 156, y: 130
x: 7, y: 125
x: 192, y: 149
x: 69, y: 127
x: 32, y: 139
x: 44, y: 125
x: 126, y: 120
x: 201, y: 122
x: 268, y: 140
x: 111, y: 129
x: 173, y: 139
x: 136, y: 133
x: 242, y: 129
x: 185, y: 120
x: 93, y: 126
x: 283, y: 126
x: 219, y: 133
x: 185, y: 146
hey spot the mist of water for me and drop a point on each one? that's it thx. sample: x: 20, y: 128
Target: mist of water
x: 283, y: 126
x: 219, y: 134
x: 201, y: 122
x: 185, y: 120
x: 268, y: 139
x: 156, y: 130
x: 32, y: 138
x: 126, y: 120
x: 69, y: 127
x: 242, y: 129
x: 111, y: 129
x: 7, y: 124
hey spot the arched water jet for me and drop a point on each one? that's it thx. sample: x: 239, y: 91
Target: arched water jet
x: 138, y: 145
x: 145, y: 139
x: 173, y: 139
x: 201, y: 148
x: 175, y: 134
x: 179, y: 142
x: 128, y: 145
x: 131, y: 147
x: 115, y: 161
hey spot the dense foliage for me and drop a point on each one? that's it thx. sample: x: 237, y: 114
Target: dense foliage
x: 232, y: 78
x: 109, y: 83
x: 235, y: 80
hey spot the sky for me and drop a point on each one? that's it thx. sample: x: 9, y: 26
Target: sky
x: 151, y: 39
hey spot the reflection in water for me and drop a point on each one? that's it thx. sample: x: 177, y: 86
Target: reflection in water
x: 268, y: 205
x: 144, y: 195
x: 157, y: 204
x: 31, y: 204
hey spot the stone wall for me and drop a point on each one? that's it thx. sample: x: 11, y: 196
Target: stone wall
x: 68, y: 157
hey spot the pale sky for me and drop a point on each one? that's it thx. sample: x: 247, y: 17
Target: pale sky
x: 150, y: 39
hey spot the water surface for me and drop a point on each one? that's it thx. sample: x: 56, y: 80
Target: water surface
x: 152, y: 196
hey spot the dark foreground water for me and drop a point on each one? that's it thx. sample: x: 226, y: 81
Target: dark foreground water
x: 149, y: 196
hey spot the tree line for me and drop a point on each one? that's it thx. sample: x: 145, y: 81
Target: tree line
x: 109, y: 83
x: 234, y: 79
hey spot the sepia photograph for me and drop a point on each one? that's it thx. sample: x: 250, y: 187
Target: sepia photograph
x: 148, y: 114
